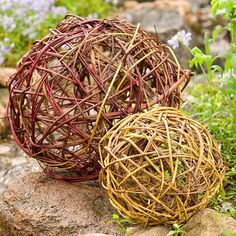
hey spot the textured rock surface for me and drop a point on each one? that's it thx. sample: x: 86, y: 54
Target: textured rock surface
x: 95, y: 234
x: 152, y: 231
x: 13, y: 162
x: 38, y: 205
x: 3, y: 103
x: 171, y: 16
x: 5, y: 73
x: 163, y: 17
x: 166, y: 21
x: 209, y: 222
x: 4, y: 232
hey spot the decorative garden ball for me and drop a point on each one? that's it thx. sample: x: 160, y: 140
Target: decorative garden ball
x: 74, y: 84
x: 160, y: 167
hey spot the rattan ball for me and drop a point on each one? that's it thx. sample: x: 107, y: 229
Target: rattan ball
x: 74, y: 84
x: 160, y: 167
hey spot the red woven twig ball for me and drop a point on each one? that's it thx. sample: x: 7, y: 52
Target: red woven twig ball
x: 160, y: 167
x: 72, y: 86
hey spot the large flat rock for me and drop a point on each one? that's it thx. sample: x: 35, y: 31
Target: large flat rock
x: 5, y: 74
x: 3, y: 104
x: 36, y: 205
x: 165, y: 22
x: 14, y: 162
x: 209, y: 222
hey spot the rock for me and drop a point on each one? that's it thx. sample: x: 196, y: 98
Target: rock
x: 4, y: 232
x: 3, y: 124
x: 38, y: 205
x: 166, y: 21
x: 145, y: 0
x: 3, y: 103
x: 13, y: 162
x: 130, y: 4
x: 125, y: 3
x: 209, y: 222
x: 163, y: 17
x: 150, y: 231
x: 5, y: 73
x: 182, y: 6
x: 95, y: 234
x: 220, y: 46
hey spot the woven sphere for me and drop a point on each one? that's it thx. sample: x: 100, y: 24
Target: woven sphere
x: 160, y: 167
x: 74, y: 84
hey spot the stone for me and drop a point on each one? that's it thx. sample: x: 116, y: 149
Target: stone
x: 182, y: 6
x: 37, y: 205
x: 145, y: 1
x: 5, y: 73
x: 3, y: 103
x: 220, y: 46
x: 95, y: 234
x: 4, y: 232
x: 166, y: 21
x: 149, y: 231
x: 14, y: 162
x: 3, y: 126
x: 209, y: 222
x: 130, y: 4
x: 164, y: 18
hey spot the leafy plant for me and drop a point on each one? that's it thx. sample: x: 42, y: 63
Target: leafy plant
x: 226, y: 233
x: 176, y: 231
x: 222, y: 204
x: 212, y: 100
x: 23, y: 21
x: 123, y: 224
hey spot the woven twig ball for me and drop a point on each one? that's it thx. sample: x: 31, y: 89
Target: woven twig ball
x: 74, y: 84
x: 160, y: 167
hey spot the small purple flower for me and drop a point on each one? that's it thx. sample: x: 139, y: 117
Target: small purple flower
x: 26, y: 14
x: 92, y: 16
x: 181, y: 37
x: 28, y: 20
x: 7, y: 5
x: 28, y: 31
x: 8, y: 23
x: 6, y: 40
x: 58, y: 11
x: 32, y: 35
x: 5, y: 48
x: 20, y: 13
x: 226, y: 206
x: 129, y: 17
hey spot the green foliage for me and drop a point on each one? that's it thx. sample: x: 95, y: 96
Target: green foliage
x: 176, y: 230
x: 99, y: 8
x: 213, y: 97
x: 222, y: 204
x: 24, y: 21
x: 227, y: 9
x: 123, y: 224
x: 226, y: 233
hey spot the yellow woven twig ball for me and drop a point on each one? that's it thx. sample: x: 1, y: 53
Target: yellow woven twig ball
x: 160, y: 167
